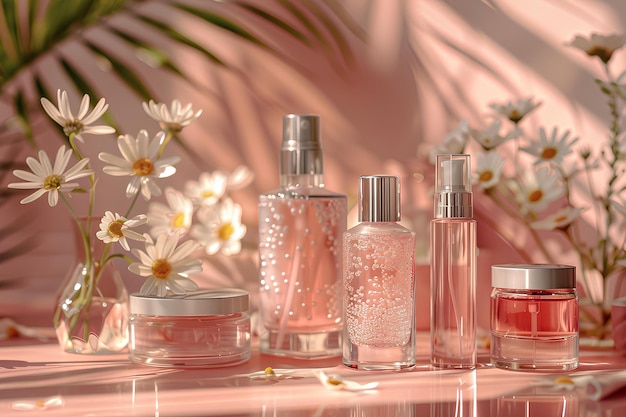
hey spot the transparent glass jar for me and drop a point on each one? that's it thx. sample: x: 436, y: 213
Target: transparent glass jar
x: 202, y: 329
x: 534, y: 317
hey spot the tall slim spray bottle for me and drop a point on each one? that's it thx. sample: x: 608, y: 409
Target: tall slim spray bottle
x: 300, y: 229
x: 453, y: 266
x: 379, y: 281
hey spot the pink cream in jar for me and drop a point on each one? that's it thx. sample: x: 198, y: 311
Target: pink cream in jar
x: 534, y: 317
x: 202, y: 329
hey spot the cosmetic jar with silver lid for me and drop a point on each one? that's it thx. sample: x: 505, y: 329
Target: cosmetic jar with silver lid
x: 534, y: 317
x: 202, y: 329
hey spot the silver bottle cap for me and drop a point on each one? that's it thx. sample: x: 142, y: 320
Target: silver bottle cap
x: 194, y: 303
x: 533, y: 276
x: 379, y: 198
x: 301, y: 148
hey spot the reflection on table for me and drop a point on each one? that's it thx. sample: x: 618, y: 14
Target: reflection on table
x: 41, y: 376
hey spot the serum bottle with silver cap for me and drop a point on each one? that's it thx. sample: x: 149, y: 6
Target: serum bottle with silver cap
x: 379, y: 281
x: 300, y: 228
x: 453, y: 266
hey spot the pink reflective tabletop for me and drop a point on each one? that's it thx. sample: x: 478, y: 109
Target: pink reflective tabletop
x: 42, y: 380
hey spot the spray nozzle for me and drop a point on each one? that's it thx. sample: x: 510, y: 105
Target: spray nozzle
x: 453, y: 178
x: 453, y: 186
x: 301, y: 148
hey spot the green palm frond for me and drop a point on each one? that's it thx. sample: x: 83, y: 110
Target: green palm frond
x: 37, y: 33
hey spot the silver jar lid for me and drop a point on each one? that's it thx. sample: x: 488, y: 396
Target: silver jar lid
x: 533, y: 276
x: 194, y: 303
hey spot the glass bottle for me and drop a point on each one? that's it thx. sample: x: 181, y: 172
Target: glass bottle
x: 379, y: 281
x: 453, y: 266
x: 300, y: 228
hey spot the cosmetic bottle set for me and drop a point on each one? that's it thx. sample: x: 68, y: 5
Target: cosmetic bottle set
x: 327, y: 292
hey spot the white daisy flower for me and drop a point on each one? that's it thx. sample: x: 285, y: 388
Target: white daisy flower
x: 50, y: 179
x: 538, y: 189
x: 275, y: 375
x: 515, y: 111
x: 166, y: 265
x: 220, y: 228
x: 173, y: 119
x: 551, y: 149
x: 559, y: 220
x: 139, y: 161
x: 490, y: 137
x: 210, y: 187
x: 39, y: 404
x: 488, y: 169
x: 336, y: 382
x: 175, y: 217
x: 78, y: 124
x: 598, y: 45
x: 116, y: 228
x: 453, y: 143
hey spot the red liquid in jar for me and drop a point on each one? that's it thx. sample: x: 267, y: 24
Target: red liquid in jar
x: 534, y: 329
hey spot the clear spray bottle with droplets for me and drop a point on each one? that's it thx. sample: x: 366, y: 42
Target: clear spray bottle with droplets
x: 453, y: 266
x: 300, y: 229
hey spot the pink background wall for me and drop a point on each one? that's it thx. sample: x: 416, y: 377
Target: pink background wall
x: 414, y: 69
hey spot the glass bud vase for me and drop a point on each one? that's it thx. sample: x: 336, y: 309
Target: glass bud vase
x: 91, y: 315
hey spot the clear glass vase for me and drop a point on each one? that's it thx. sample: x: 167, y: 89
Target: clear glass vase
x: 596, y: 296
x: 91, y: 314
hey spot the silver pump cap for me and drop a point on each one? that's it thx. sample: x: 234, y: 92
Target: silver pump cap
x: 194, y: 303
x: 379, y: 198
x: 533, y: 276
x: 301, y: 148
x: 453, y: 186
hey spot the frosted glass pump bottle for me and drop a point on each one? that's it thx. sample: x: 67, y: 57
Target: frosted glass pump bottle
x: 379, y: 281
x: 300, y: 229
x: 453, y: 266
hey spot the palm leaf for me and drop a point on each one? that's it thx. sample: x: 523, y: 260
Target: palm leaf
x: 47, y: 26
x: 174, y: 35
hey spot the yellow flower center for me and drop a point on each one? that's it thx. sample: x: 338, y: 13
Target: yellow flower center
x: 115, y: 228
x: 11, y: 332
x: 334, y: 381
x: 548, y: 153
x: 73, y: 126
x: 535, y: 196
x: 207, y: 193
x: 143, y: 167
x: 560, y: 219
x: 601, y: 52
x: 226, y: 231
x: 485, y: 176
x: 171, y: 127
x: 564, y: 380
x: 52, y: 182
x: 515, y: 116
x: 161, y: 268
x: 179, y: 220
